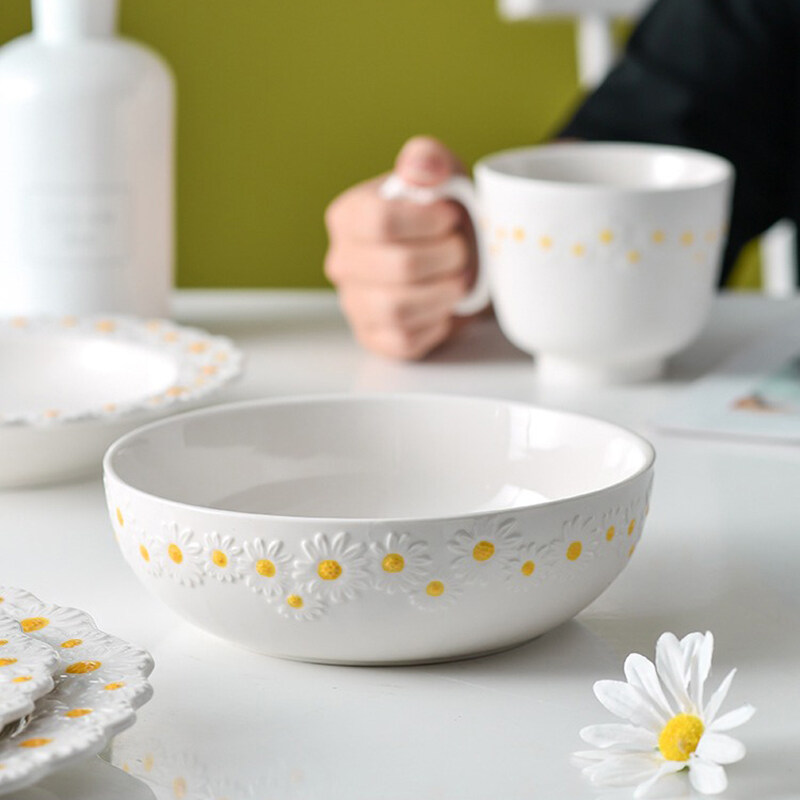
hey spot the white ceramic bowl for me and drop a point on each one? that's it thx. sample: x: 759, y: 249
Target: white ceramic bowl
x: 385, y: 529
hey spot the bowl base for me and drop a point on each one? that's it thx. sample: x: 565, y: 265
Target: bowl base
x: 566, y: 371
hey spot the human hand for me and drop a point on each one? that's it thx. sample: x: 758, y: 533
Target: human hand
x: 401, y: 267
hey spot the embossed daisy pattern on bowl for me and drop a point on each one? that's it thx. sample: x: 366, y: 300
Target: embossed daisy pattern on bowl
x: 400, y: 564
x: 488, y: 549
x: 333, y: 568
x: 219, y: 556
x: 26, y: 669
x: 301, y: 605
x: 99, y: 682
x: 265, y: 568
x: 532, y: 565
x: 578, y: 544
x: 182, y: 555
x: 438, y: 594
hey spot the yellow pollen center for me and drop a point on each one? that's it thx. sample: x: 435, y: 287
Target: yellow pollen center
x: 34, y: 624
x: 393, y: 562
x: 78, y: 712
x: 112, y: 687
x: 3, y: 641
x: 22, y: 679
x: 528, y: 567
x: 295, y: 601
x: 680, y: 736
x: 143, y: 552
x: 265, y: 568
x: 435, y: 589
x: 610, y: 533
x: 219, y: 558
x: 7, y: 662
x: 120, y: 518
x: 574, y: 551
x: 41, y: 742
x: 82, y: 667
x: 329, y: 570
x: 70, y: 643
x: 631, y: 526
x: 483, y: 551
x: 175, y: 553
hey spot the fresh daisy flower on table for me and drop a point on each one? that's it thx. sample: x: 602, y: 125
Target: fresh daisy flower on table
x: 671, y: 726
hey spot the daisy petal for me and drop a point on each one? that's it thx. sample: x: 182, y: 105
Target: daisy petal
x: 623, y: 770
x: 669, y: 664
x: 706, y: 777
x: 641, y: 672
x: 718, y: 698
x: 580, y: 757
x: 627, y: 702
x: 720, y: 748
x: 615, y: 735
x: 700, y: 667
x: 733, y: 719
x: 667, y: 768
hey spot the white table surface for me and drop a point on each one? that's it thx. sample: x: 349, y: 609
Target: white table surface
x: 721, y: 552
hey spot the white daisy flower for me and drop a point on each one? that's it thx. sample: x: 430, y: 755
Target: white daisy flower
x: 437, y: 594
x: 219, y: 556
x: 578, y: 544
x: 121, y: 517
x: 532, y: 565
x: 301, y: 605
x: 490, y: 548
x: 609, y: 528
x: 400, y: 564
x: 182, y: 555
x: 265, y: 567
x: 671, y: 727
x: 143, y: 553
x: 335, y: 569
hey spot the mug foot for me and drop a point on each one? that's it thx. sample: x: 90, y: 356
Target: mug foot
x: 558, y: 370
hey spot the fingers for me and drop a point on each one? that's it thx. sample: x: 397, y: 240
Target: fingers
x: 394, y: 264
x: 425, y: 161
x: 361, y: 214
x: 403, y: 343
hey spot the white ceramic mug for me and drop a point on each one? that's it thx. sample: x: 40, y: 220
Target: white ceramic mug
x: 601, y: 258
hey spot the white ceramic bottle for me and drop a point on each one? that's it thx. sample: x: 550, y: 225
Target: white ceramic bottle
x: 86, y: 167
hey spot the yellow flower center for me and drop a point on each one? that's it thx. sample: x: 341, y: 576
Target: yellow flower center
x: 329, y: 570
x: 610, y: 533
x: 22, y: 679
x: 528, y: 567
x: 435, y: 589
x: 574, y: 551
x: 120, y: 518
x: 631, y: 527
x: 78, y: 712
x: 34, y: 624
x: 393, y: 562
x: 82, y: 667
x: 40, y: 742
x: 265, y: 568
x: 680, y: 736
x: 219, y: 558
x: 295, y: 601
x: 70, y: 643
x: 7, y: 662
x: 112, y: 687
x: 175, y: 553
x: 143, y: 552
x: 483, y: 551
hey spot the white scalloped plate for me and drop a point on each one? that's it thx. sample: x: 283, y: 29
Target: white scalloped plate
x: 72, y: 385
x: 100, y: 682
x: 26, y: 669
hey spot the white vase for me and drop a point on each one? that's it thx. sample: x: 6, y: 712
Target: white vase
x: 86, y: 167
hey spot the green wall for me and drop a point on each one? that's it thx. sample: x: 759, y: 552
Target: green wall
x: 284, y: 104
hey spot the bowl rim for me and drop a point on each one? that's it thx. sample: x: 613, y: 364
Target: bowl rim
x: 489, y: 165
x: 222, y: 408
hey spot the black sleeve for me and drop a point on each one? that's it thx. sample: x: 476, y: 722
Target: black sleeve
x: 719, y: 75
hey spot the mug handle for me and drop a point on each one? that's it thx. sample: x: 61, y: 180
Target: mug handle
x: 462, y: 190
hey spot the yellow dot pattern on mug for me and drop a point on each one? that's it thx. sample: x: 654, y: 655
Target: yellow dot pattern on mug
x: 545, y: 242
x: 393, y: 562
x: 578, y: 250
x: 265, y: 568
x: 658, y: 237
x: 435, y: 589
x: 483, y: 551
x: 634, y: 256
x: 179, y: 788
x: 606, y: 236
x: 329, y: 570
x: 518, y: 234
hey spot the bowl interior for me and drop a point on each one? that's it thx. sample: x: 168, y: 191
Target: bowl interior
x: 392, y: 457
x: 613, y: 165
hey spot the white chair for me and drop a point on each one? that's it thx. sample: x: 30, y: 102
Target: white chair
x: 595, y: 53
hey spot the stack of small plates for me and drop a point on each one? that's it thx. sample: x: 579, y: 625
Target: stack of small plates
x: 66, y: 688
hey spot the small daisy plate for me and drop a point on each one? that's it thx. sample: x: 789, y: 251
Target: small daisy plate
x: 99, y: 682
x: 26, y: 669
x: 72, y: 385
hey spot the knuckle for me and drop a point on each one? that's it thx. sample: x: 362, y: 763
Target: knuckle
x: 406, y: 264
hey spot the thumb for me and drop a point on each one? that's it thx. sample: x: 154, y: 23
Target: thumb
x: 425, y: 161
